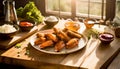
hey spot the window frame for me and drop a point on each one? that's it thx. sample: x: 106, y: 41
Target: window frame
x: 110, y: 10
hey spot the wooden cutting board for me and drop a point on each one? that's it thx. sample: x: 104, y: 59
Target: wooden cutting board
x: 6, y: 44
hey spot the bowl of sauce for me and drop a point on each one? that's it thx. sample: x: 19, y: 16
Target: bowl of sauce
x: 72, y: 25
x: 106, y: 37
x: 89, y: 23
x: 26, y: 25
x: 51, y: 21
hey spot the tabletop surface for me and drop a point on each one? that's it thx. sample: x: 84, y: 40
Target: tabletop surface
x: 93, y: 56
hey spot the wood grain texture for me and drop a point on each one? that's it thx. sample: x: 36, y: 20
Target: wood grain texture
x: 100, y: 57
x: 76, y: 59
x: 116, y: 63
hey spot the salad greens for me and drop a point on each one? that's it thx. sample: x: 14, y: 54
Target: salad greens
x: 30, y: 12
x: 92, y: 32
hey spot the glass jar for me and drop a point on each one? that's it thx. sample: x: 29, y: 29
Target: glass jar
x: 89, y: 23
x: 72, y: 25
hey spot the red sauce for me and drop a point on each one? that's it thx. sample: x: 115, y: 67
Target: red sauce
x: 26, y: 24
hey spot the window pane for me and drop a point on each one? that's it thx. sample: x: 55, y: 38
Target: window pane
x: 118, y: 8
x: 82, y: 6
x: 95, y: 7
x: 52, y: 5
x: 56, y: 5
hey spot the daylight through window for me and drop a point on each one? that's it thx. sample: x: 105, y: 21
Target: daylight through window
x: 79, y: 8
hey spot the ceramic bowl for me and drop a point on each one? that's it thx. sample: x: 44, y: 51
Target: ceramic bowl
x: 72, y: 25
x: 51, y: 20
x: 106, y: 37
x: 89, y: 23
x: 26, y: 25
x: 10, y: 34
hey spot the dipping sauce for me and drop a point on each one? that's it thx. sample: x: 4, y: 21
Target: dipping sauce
x: 89, y: 24
x: 71, y: 25
x: 26, y: 24
x: 51, y: 19
x: 106, y: 37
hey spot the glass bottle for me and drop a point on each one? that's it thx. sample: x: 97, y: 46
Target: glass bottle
x: 10, y: 12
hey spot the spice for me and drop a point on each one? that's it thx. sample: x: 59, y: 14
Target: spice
x: 18, y: 45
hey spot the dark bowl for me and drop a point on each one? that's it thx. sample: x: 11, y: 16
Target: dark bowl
x: 9, y: 35
x: 106, y: 37
x: 26, y: 25
x: 51, y: 23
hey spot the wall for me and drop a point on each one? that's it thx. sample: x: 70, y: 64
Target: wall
x: 1, y: 8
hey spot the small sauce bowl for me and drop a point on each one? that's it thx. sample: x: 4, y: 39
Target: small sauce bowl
x: 51, y: 21
x: 8, y: 35
x: 72, y: 25
x: 89, y: 23
x: 106, y: 37
x: 26, y: 25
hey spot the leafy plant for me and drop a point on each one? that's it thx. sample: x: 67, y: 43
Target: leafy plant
x: 30, y: 12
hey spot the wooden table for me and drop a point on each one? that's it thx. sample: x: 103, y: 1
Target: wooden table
x: 115, y: 63
x: 94, y: 56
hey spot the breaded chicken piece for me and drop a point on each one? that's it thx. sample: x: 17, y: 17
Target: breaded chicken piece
x: 72, y: 43
x: 39, y: 40
x: 51, y: 36
x: 39, y: 34
x: 60, y: 45
x: 46, y: 44
x: 74, y: 34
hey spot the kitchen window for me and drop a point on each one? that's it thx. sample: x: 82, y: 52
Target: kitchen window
x: 91, y: 8
x: 100, y: 9
x: 59, y: 7
x: 118, y: 8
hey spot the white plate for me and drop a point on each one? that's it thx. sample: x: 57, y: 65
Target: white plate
x: 50, y: 50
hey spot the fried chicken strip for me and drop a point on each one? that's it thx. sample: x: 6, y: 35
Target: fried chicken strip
x: 39, y: 34
x: 62, y: 35
x: 66, y: 37
x: 51, y: 36
x: 40, y: 40
x: 46, y: 44
x: 74, y: 34
x: 60, y: 45
x: 72, y: 43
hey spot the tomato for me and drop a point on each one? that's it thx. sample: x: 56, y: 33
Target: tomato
x: 26, y: 24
